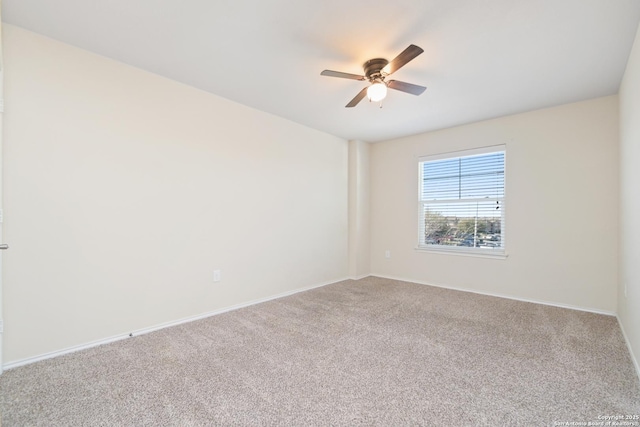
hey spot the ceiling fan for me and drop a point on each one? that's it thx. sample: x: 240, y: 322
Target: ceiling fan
x: 376, y: 72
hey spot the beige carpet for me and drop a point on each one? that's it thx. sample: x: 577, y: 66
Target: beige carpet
x: 367, y: 352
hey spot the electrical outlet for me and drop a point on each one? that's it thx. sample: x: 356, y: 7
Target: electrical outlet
x: 387, y: 253
x: 217, y: 275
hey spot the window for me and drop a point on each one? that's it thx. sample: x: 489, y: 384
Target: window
x: 461, y: 206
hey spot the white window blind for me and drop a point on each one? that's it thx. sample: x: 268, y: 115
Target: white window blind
x: 462, y: 201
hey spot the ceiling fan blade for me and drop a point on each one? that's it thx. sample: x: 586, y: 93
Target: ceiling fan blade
x: 342, y: 75
x: 401, y: 60
x: 357, y: 98
x: 406, y: 87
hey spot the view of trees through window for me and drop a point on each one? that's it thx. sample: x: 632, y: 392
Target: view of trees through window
x: 452, y: 230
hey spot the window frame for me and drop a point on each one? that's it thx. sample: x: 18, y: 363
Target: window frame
x: 462, y: 250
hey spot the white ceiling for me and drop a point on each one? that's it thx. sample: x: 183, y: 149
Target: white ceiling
x: 482, y: 59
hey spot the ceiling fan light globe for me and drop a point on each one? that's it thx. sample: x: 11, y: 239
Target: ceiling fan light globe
x: 377, y: 92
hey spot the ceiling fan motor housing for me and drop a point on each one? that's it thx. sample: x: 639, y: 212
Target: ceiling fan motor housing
x: 373, y: 68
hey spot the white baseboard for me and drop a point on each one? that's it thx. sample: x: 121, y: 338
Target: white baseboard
x: 456, y: 288
x: 364, y: 276
x: 142, y: 331
x: 633, y: 356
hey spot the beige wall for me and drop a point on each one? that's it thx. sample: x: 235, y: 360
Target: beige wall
x: 125, y: 190
x: 629, y: 299
x: 561, y: 207
x: 359, y: 194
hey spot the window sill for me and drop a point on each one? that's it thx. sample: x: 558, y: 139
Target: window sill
x: 463, y: 252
